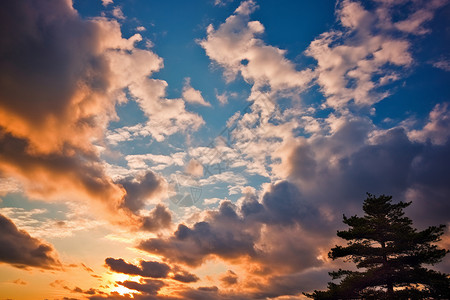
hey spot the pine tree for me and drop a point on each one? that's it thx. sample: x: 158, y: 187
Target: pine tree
x: 389, y: 254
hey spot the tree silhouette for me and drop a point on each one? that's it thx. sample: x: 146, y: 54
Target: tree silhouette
x: 389, y: 254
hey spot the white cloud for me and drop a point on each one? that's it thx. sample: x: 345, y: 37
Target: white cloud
x: 222, y: 2
x: 107, y: 2
x: 157, y: 162
x: 442, y: 64
x: 9, y: 185
x: 353, y: 63
x: 34, y: 221
x: 192, y: 95
x: 223, y: 97
x: 348, y: 61
x: 166, y: 116
x: 211, y: 201
x: 194, y: 168
x: 424, y: 12
x: 235, y: 47
x: 437, y: 130
x: 118, y: 13
x: 228, y: 177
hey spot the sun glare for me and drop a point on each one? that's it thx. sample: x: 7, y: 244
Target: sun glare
x: 120, y: 288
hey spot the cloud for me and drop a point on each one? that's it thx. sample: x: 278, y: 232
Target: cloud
x: 293, y: 284
x: 140, y: 189
x: 19, y: 281
x: 194, y: 168
x: 53, y: 174
x: 20, y: 250
x: 222, y: 2
x: 359, y: 157
x: 284, y: 205
x: 74, y: 105
x: 151, y: 269
x: 282, y: 236
x: 159, y: 218
x: 437, y: 130
x: 223, y: 97
x: 424, y: 12
x: 235, y: 47
x: 219, y: 237
x: 117, y: 13
x: 107, y: 2
x: 347, y: 165
x: 157, y: 162
x: 345, y: 69
x: 350, y: 60
x: 148, y: 287
x: 56, y: 100
x: 9, y: 185
x: 275, y: 239
x: 442, y: 64
x: 192, y: 95
x: 234, y: 236
x: 37, y: 224
x: 62, y: 77
x: 165, y: 116
x: 185, y: 276
x: 229, y: 278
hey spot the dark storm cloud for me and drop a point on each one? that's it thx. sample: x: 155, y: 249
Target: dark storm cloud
x: 19, y: 249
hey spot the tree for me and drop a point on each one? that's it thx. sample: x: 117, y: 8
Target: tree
x: 389, y: 254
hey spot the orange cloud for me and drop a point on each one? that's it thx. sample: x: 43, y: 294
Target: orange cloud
x: 60, y: 82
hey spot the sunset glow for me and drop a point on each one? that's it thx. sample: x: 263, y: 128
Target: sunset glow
x: 209, y: 149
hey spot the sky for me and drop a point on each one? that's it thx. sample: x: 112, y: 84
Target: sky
x: 208, y: 149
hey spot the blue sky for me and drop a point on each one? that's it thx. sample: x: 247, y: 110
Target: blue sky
x: 215, y: 141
